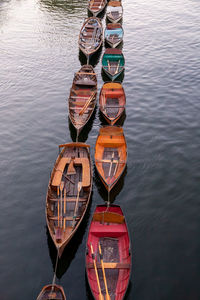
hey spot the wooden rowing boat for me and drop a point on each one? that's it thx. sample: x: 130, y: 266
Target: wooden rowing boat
x: 82, y: 98
x: 108, y: 255
x: 91, y: 37
x: 95, y: 7
x: 68, y: 193
x: 114, y: 11
x: 113, y: 34
x: 110, y: 155
x: 52, y: 292
x: 113, y: 63
x: 112, y: 101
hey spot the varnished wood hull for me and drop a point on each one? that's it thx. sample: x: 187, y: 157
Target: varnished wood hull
x: 66, y: 205
x: 80, y: 95
x: 52, y: 292
x: 109, y: 230
x: 95, y: 7
x: 112, y: 101
x: 110, y: 155
x: 91, y: 36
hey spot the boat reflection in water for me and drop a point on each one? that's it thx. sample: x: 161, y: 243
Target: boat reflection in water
x: 70, y: 250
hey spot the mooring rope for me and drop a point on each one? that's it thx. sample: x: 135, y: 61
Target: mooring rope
x: 54, y: 275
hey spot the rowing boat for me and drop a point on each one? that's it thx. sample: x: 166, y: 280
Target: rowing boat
x: 113, y: 34
x: 114, y: 11
x: 90, y: 37
x: 113, y: 63
x: 82, y: 98
x: 95, y: 7
x: 110, y: 155
x: 52, y: 292
x: 108, y: 255
x: 68, y: 193
x: 112, y: 101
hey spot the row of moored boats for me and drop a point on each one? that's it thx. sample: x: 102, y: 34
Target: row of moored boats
x: 108, y: 254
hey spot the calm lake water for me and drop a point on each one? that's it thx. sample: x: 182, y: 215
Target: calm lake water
x: 159, y: 193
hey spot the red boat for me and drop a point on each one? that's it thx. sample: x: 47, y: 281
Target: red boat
x: 108, y: 256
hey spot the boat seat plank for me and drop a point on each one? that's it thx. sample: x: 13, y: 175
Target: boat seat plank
x: 109, y: 161
x: 66, y: 218
x: 71, y: 199
x: 108, y: 217
x: 110, y: 265
x: 77, y: 161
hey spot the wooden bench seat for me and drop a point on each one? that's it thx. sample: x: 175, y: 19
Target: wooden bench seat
x: 77, y: 161
x: 111, y: 265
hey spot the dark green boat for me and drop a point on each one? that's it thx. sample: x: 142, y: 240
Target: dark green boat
x: 113, y: 63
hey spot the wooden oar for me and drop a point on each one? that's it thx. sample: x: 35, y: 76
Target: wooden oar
x: 76, y: 205
x: 104, y: 275
x: 86, y: 104
x: 61, y: 189
x: 116, y: 71
x: 111, y: 162
x: 65, y: 201
x: 108, y: 65
x: 96, y: 272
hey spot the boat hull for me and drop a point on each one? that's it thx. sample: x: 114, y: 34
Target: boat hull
x: 68, y: 193
x: 109, y: 230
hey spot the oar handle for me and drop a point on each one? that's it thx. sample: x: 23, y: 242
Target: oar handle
x: 104, y: 275
x: 96, y: 272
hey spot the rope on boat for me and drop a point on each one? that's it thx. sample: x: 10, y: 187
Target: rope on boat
x: 108, y: 202
x: 54, y: 275
x: 77, y: 134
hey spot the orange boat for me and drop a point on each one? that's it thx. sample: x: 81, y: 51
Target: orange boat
x: 51, y: 292
x: 110, y: 155
x: 112, y: 101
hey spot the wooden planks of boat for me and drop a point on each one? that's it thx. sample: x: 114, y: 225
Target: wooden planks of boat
x: 91, y: 37
x: 114, y: 11
x: 114, y: 34
x: 108, y: 255
x: 110, y: 155
x: 113, y: 63
x: 112, y: 101
x: 52, y: 292
x: 95, y: 7
x: 68, y: 193
x: 82, y: 98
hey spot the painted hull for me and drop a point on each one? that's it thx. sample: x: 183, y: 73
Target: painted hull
x: 112, y: 101
x: 109, y: 230
x: 110, y: 155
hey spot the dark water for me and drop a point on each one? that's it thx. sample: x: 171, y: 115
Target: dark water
x: 159, y: 193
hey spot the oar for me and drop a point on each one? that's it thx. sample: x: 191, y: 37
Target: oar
x: 61, y: 189
x: 117, y: 163
x: 58, y: 206
x: 87, y: 104
x: 108, y: 65
x: 116, y: 71
x: 65, y: 200
x: 96, y: 272
x: 76, y: 205
x: 111, y: 162
x: 104, y: 275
